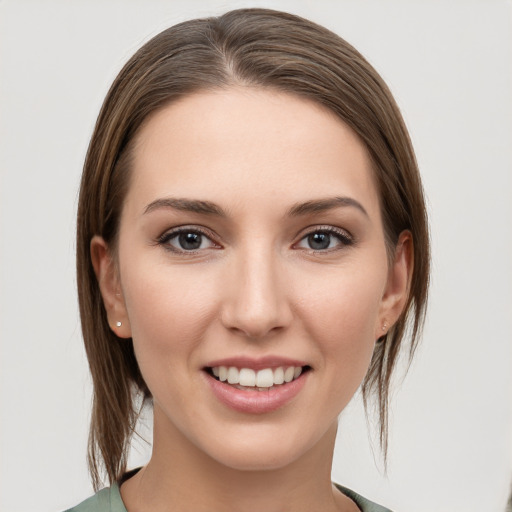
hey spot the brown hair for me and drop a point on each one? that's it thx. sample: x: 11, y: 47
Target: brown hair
x: 256, y: 47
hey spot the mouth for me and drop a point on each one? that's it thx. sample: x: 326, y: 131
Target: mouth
x: 249, y: 379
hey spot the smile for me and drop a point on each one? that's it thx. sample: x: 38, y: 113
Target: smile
x: 256, y: 387
x: 259, y: 379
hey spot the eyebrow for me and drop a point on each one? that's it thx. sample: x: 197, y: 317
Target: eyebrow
x: 322, y: 205
x: 186, y: 205
x: 297, y: 210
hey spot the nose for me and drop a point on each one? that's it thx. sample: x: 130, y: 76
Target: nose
x: 256, y: 302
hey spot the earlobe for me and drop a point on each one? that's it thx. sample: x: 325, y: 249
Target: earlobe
x: 108, y: 280
x: 397, y: 288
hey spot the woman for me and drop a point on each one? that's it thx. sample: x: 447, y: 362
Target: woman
x: 252, y: 244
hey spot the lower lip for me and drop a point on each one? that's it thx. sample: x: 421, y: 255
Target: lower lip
x: 256, y: 402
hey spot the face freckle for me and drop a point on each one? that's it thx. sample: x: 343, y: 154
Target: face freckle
x: 251, y: 232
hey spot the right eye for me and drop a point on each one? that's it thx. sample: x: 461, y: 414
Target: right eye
x: 186, y: 240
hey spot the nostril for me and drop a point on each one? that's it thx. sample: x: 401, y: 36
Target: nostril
x: 256, y: 310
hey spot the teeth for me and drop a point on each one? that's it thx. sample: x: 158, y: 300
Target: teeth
x: 233, y: 375
x: 278, y: 376
x: 288, y: 374
x: 265, y: 378
x: 261, y: 379
x: 247, y: 377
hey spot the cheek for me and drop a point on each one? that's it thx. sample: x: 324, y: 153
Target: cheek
x: 168, y: 315
x: 341, y: 315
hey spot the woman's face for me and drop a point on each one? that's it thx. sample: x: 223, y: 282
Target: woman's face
x: 250, y: 242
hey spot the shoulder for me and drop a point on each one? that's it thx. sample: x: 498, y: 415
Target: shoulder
x: 364, y: 504
x: 109, y: 500
x: 106, y: 500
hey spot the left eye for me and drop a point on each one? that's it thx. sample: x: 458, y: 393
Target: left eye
x: 324, y: 240
x: 186, y: 241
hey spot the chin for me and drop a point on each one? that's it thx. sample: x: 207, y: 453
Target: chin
x: 270, y: 451
x: 256, y: 459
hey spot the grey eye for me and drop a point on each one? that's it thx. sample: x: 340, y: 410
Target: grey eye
x: 186, y: 240
x: 190, y: 241
x: 319, y: 240
x: 326, y: 239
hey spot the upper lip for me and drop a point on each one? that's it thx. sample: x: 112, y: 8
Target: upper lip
x: 260, y: 363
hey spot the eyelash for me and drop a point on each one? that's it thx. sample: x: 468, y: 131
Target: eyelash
x: 166, y: 237
x: 343, y: 237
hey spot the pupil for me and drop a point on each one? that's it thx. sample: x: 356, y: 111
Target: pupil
x: 189, y: 241
x: 319, y: 240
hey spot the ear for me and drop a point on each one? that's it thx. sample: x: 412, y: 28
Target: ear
x: 107, y: 275
x: 398, y: 284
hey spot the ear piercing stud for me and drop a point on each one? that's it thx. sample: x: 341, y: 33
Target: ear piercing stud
x: 118, y: 324
x: 384, y: 327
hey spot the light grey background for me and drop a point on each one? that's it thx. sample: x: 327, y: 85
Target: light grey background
x: 449, y: 63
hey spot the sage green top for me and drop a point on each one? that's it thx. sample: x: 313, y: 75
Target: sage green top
x: 109, y: 500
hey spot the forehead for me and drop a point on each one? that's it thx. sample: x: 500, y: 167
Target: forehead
x: 246, y: 143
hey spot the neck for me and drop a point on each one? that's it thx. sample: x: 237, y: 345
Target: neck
x: 181, y: 474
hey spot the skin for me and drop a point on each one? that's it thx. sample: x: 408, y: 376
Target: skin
x: 255, y: 287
